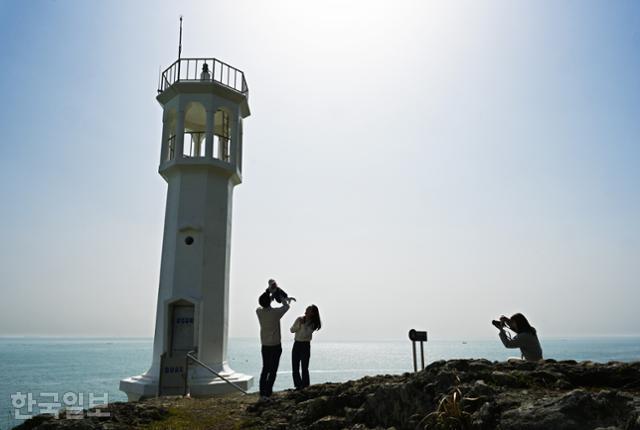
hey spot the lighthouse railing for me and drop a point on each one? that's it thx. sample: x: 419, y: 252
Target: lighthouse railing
x: 203, y: 70
x: 192, y: 357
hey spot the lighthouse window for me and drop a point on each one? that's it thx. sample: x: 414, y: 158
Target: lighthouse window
x: 188, y: 240
x: 194, y: 130
x: 221, y: 136
x: 194, y: 143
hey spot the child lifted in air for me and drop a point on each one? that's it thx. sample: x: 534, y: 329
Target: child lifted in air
x: 278, y: 294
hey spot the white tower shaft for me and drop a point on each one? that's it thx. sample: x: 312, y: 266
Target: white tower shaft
x: 201, y: 162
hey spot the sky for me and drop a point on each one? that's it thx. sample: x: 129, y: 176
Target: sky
x: 408, y: 164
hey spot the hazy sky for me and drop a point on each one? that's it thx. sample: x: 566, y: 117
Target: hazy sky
x: 406, y: 164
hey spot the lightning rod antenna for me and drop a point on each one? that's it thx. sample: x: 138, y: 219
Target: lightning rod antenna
x: 180, y: 40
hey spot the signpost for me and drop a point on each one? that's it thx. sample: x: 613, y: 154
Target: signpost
x: 417, y: 336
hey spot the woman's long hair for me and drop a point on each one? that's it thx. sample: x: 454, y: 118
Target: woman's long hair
x: 314, y: 319
x: 523, y: 324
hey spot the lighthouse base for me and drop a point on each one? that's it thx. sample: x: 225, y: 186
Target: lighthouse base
x: 143, y: 386
x: 139, y: 387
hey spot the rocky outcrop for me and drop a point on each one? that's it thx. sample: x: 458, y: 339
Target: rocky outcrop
x: 469, y: 394
x: 454, y: 394
x: 121, y: 416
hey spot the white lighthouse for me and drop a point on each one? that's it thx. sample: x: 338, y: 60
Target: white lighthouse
x: 204, y: 102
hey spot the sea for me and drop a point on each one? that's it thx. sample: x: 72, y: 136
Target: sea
x: 37, y: 373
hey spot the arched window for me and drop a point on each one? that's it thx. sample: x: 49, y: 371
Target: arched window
x: 195, y: 120
x: 222, y: 135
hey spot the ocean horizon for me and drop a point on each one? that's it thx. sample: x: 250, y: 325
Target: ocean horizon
x: 93, y: 366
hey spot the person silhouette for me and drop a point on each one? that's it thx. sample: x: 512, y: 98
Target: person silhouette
x: 270, y: 339
x: 205, y: 75
x: 526, y: 337
x: 303, y: 327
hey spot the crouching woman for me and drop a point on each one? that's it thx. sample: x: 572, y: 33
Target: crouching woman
x: 526, y: 337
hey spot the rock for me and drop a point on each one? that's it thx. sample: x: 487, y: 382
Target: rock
x: 317, y: 408
x: 121, y: 416
x: 328, y: 423
x: 501, y: 395
x: 507, y: 379
x: 633, y: 422
x: 34, y: 422
x: 481, y: 388
x: 577, y: 409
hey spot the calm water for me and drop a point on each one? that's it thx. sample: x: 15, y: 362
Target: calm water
x: 95, y: 365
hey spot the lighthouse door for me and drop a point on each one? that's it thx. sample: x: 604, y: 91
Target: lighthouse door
x: 182, y: 333
x: 181, y: 341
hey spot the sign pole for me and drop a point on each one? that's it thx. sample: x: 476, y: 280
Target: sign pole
x: 415, y: 358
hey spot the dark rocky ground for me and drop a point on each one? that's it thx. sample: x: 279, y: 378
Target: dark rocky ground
x: 455, y: 394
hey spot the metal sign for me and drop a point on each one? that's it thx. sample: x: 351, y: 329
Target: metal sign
x: 417, y: 336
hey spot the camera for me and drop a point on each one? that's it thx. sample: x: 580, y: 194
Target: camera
x: 502, y: 322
